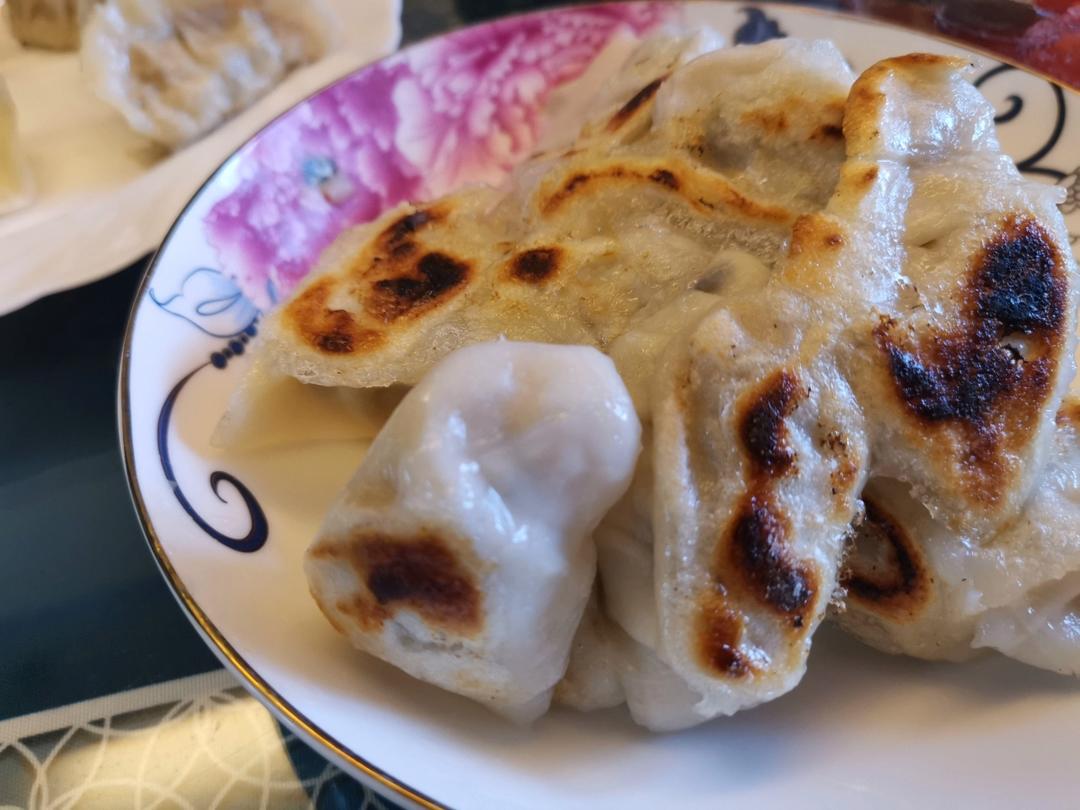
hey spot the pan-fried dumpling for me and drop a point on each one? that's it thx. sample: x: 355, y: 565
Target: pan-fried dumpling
x: 270, y: 409
x: 591, y: 680
x: 762, y: 447
x: 580, y: 246
x: 460, y: 551
x: 760, y: 456
x: 962, y: 368
x: 916, y: 587
x: 176, y: 69
x: 656, y: 696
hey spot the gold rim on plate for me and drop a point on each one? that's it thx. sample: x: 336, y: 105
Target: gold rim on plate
x: 254, y: 683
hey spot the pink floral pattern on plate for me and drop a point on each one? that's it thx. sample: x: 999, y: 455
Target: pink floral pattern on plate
x: 464, y: 107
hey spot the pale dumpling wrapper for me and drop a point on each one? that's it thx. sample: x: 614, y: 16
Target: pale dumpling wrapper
x: 460, y: 550
x: 960, y: 364
x: 917, y: 587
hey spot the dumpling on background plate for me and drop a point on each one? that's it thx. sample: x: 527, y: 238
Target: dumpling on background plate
x: 175, y: 69
x: 460, y: 551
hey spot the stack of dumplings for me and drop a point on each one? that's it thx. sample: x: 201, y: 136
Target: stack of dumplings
x: 766, y: 344
x: 176, y: 69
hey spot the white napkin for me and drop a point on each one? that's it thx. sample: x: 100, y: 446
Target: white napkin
x: 104, y: 195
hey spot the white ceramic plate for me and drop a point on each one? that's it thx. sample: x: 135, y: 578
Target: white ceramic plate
x: 107, y: 192
x: 862, y: 729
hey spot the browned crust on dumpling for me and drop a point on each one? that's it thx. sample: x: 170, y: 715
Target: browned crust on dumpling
x: 423, y: 573
x: 815, y: 240
x: 974, y: 394
x: 754, y: 558
x: 703, y: 191
x: 1069, y: 413
x: 815, y: 233
x: 636, y: 104
x: 719, y: 632
x: 843, y: 477
x: 394, y: 276
x: 898, y: 590
x: 795, y: 118
x: 535, y: 265
x: 867, y: 96
x: 329, y: 330
x: 772, y: 120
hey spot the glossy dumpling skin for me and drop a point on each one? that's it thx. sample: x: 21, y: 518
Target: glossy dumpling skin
x: 960, y: 362
x: 175, y: 69
x: 915, y: 586
x: 963, y: 366
x: 460, y: 551
x: 760, y: 453
x: 580, y: 244
x: 656, y: 696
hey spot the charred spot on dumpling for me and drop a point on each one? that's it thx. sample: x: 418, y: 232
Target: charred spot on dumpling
x: 422, y: 574
x: 434, y: 278
x: 634, y: 103
x: 884, y: 570
x: 990, y: 375
x: 762, y: 430
x: 660, y: 176
x: 719, y: 631
x: 828, y: 132
x: 760, y: 554
x: 665, y: 178
x: 535, y: 265
x: 400, y: 231
x: 330, y: 330
x: 959, y: 379
x: 1018, y: 284
x: 701, y: 193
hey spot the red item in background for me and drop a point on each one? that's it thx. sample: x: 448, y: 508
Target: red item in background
x: 998, y: 24
x: 1052, y: 45
x: 1056, y: 6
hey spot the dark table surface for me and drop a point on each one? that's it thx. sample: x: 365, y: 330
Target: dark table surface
x: 83, y: 610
